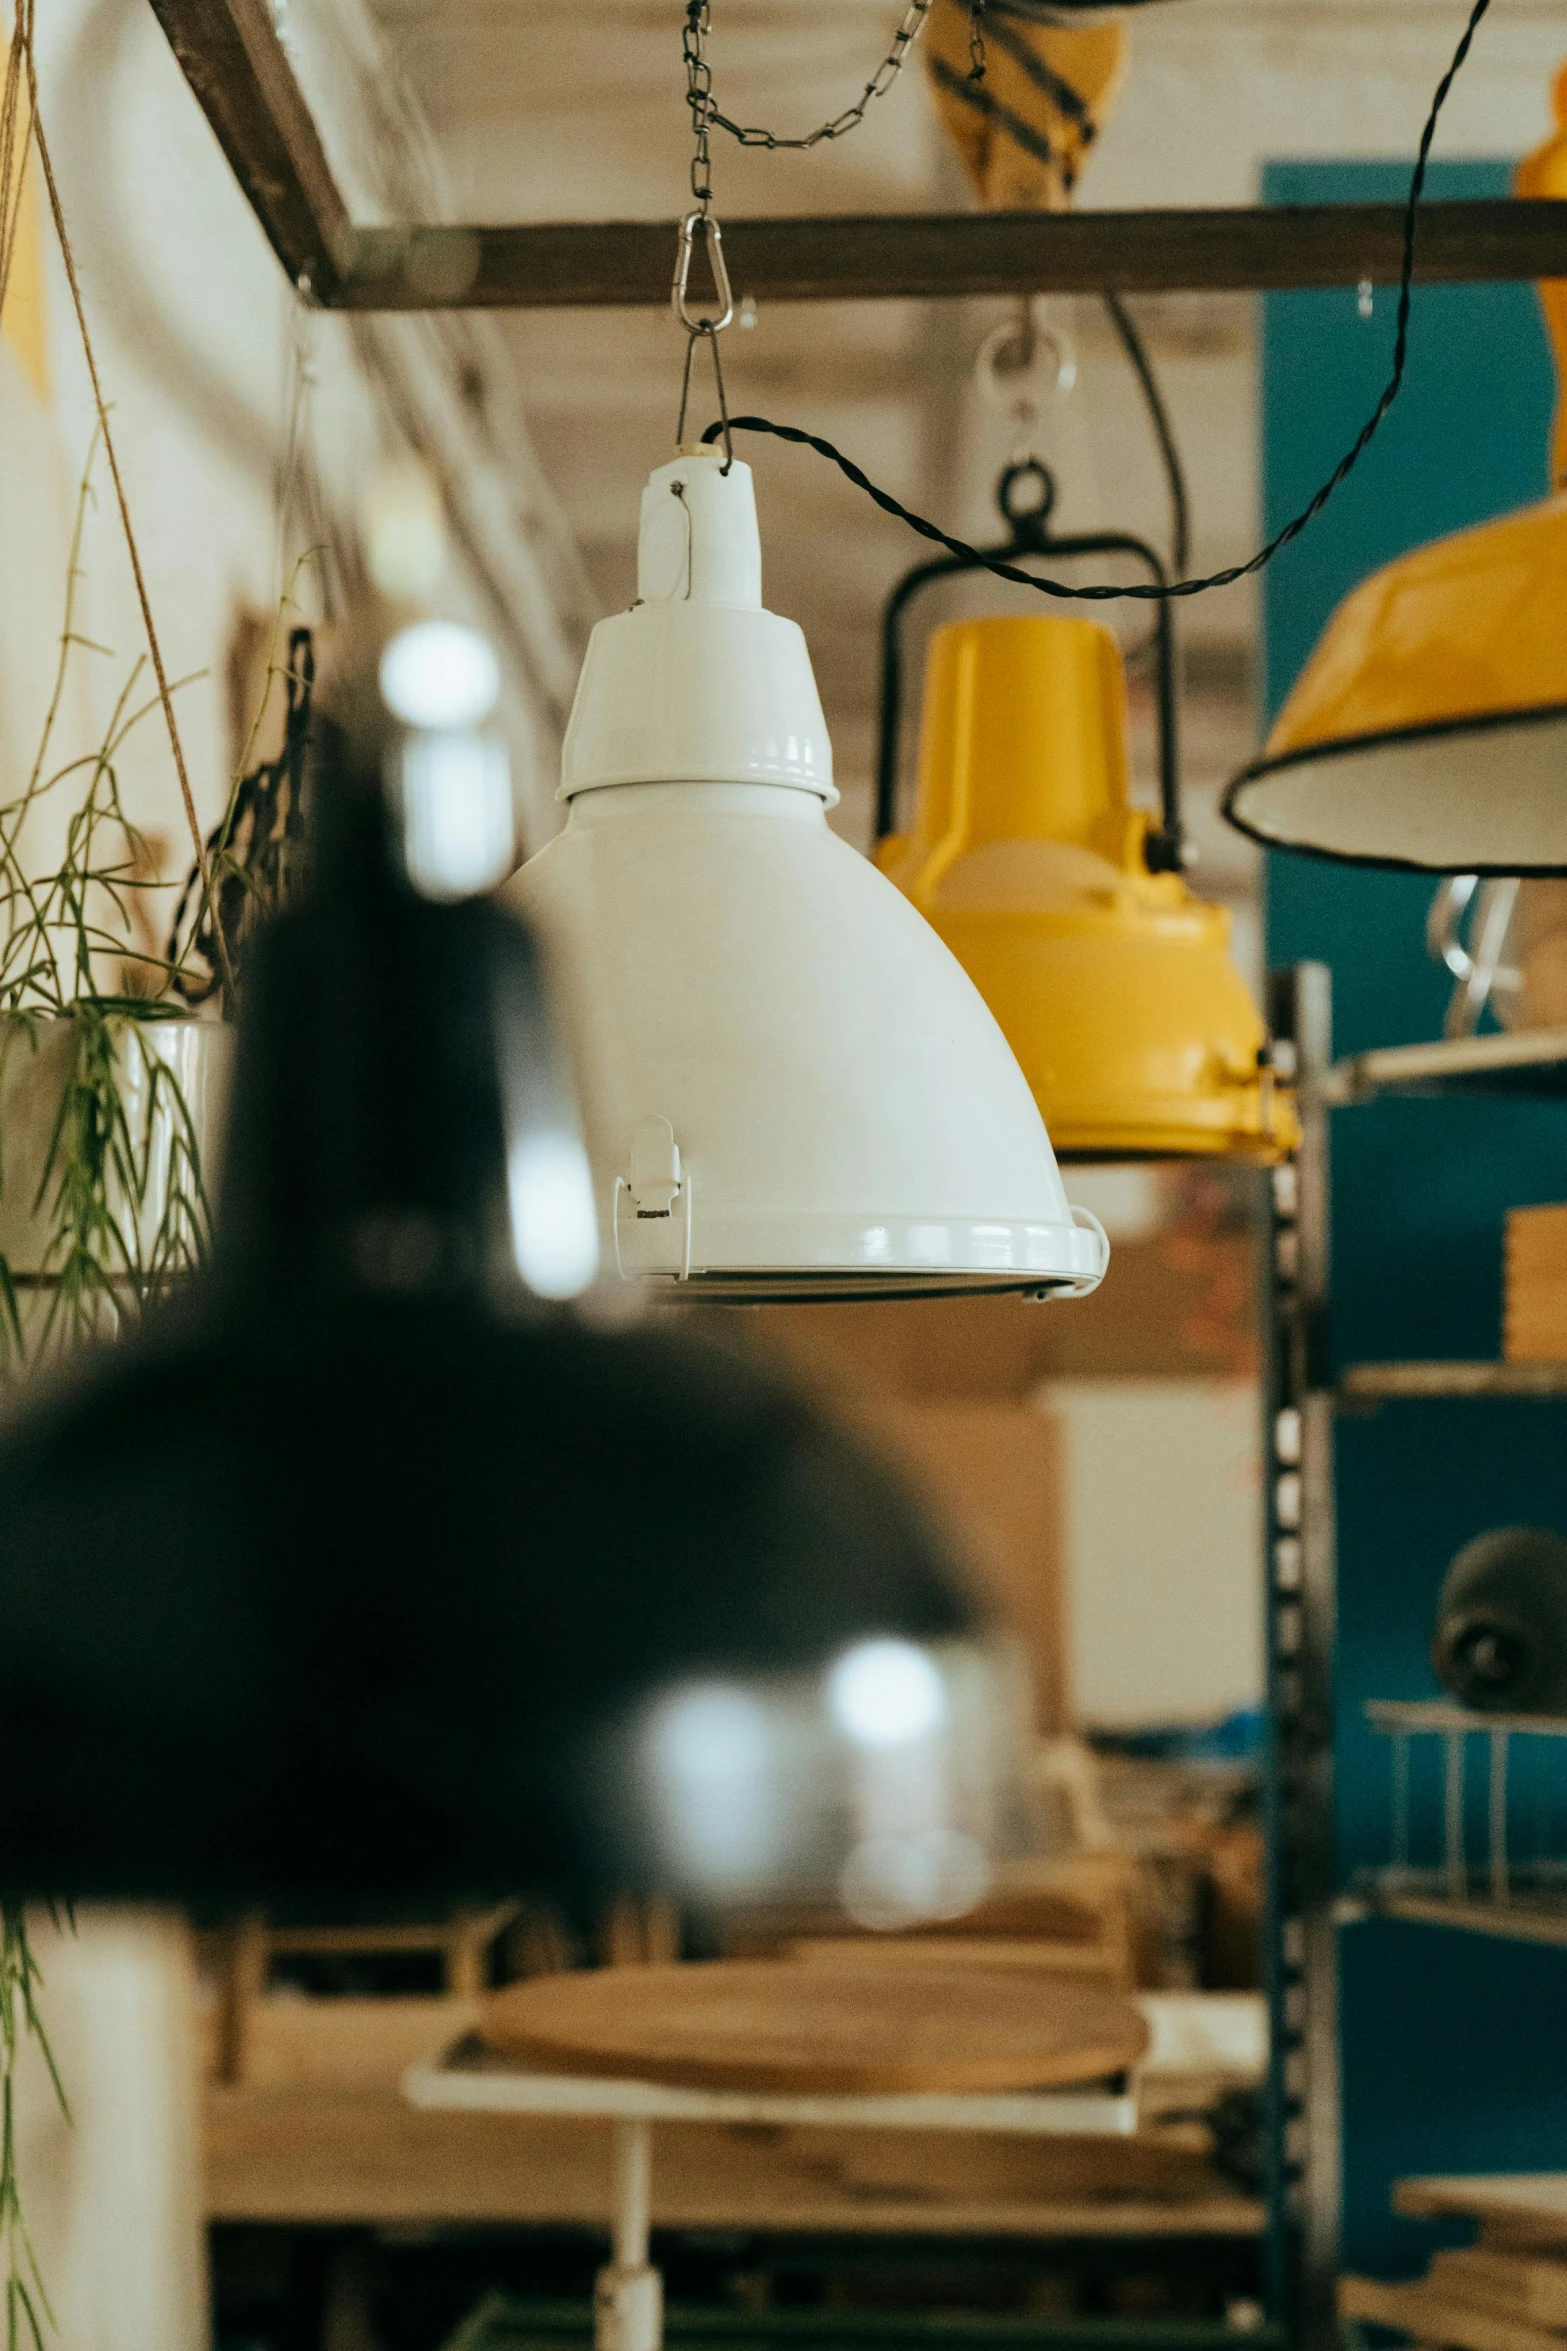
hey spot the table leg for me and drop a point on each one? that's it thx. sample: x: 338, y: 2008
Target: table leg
x: 628, y: 2296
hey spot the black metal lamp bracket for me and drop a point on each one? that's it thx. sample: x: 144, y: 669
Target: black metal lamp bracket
x: 1026, y: 495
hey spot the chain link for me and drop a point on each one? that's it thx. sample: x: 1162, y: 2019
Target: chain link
x: 976, y: 40
x: 706, y: 118
x: 699, y: 97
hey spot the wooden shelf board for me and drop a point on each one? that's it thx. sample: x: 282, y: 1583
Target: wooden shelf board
x: 1437, y: 2319
x: 1530, y: 2206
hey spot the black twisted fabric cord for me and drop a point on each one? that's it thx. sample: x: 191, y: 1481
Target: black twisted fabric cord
x: 1102, y: 592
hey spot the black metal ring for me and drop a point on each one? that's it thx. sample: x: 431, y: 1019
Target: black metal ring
x: 1029, y: 518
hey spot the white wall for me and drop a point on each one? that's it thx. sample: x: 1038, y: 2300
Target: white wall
x: 112, y: 2196
x: 199, y: 343
x: 1163, y: 1548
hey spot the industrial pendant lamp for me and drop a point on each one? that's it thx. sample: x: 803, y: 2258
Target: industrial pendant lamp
x: 1429, y: 728
x: 375, y: 1572
x: 1113, y: 984
x: 790, y: 1089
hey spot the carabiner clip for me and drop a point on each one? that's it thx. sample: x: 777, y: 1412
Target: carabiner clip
x: 715, y: 254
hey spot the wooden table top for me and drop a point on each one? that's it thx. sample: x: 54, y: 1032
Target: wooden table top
x: 788, y: 2025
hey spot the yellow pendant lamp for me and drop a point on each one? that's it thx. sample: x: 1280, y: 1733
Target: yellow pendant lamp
x: 1429, y: 728
x: 1023, y: 128
x: 1114, y: 985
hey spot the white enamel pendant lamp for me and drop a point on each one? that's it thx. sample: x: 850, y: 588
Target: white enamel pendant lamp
x: 791, y: 1088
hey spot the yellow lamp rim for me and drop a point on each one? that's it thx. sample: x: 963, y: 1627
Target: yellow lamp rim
x: 1330, y: 748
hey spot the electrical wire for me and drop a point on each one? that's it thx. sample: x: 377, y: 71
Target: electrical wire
x: 1097, y: 592
x: 1163, y: 431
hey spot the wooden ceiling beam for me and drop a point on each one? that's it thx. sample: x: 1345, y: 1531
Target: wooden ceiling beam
x: 230, y: 54
x: 241, y: 74
x: 579, y: 265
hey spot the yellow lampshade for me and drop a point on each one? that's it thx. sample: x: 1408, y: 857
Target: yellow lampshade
x: 1429, y: 727
x: 1114, y: 987
x: 1023, y: 132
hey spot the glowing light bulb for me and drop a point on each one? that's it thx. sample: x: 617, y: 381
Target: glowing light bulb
x: 886, y: 1694
x: 438, y: 674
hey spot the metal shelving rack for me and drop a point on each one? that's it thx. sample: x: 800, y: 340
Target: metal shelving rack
x: 1302, y: 2115
x: 1301, y: 1976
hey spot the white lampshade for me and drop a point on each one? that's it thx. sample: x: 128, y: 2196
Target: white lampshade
x: 791, y: 1088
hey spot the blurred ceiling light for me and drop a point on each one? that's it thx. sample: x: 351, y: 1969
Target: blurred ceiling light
x: 790, y: 1089
x: 438, y: 674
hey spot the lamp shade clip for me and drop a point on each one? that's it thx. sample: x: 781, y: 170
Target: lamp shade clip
x: 655, y: 1167
x: 659, y: 1177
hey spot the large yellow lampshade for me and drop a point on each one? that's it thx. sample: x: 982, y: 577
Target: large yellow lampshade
x: 1429, y: 727
x: 1114, y: 986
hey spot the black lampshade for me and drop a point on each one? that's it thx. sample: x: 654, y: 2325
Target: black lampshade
x: 365, y: 1575
x: 1501, y: 1623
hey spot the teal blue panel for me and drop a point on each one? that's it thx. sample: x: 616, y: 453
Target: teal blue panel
x: 1455, y: 2050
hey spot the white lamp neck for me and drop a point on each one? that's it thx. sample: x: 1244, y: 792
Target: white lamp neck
x: 698, y: 542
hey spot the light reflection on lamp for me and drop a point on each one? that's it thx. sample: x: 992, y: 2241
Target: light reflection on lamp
x: 893, y: 1882
x: 439, y: 674
x: 713, y: 1750
x: 459, y: 829
x: 886, y: 1694
x: 554, y: 1229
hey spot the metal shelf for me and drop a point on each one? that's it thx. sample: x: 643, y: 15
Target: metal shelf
x: 1445, y: 1714
x: 1381, y: 1383
x: 1494, y: 1892
x: 1523, y: 1062
x: 1382, y: 1895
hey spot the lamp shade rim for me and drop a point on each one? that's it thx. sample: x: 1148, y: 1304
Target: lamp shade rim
x: 1240, y: 803
x: 790, y: 1251
x: 1463, y: 722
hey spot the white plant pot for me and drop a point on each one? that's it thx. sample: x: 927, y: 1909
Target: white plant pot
x: 173, y: 1083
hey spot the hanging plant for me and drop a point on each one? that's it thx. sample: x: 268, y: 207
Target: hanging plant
x: 107, y: 1074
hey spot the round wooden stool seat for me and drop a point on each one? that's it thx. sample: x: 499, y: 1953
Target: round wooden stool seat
x: 819, y: 2029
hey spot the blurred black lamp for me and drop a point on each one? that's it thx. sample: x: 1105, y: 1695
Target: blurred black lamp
x: 376, y: 1571
x: 1501, y: 1623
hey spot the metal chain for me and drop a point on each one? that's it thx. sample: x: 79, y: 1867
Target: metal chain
x: 706, y: 117
x: 976, y: 40
x: 699, y: 97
